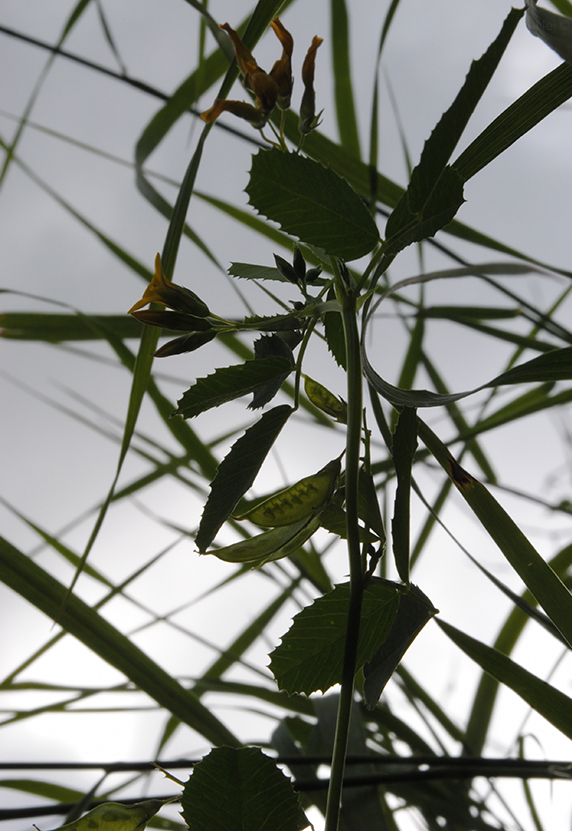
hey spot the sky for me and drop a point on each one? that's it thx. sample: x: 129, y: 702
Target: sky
x: 55, y: 468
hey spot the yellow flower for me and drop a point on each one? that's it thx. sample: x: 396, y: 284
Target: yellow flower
x: 308, y: 118
x: 163, y: 291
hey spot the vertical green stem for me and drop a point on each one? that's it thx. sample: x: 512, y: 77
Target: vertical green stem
x: 347, y: 299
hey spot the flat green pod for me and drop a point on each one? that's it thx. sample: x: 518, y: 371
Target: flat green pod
x: 298, y: 502
x: 324, y: 400
x: 271, y: 545
x: 113, y: 816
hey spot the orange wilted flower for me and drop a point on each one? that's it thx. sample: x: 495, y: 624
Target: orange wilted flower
x: 308, y: 118
x: 270, y: 88
x: 190, y: 314
x: 282, y: 69
x: 163, y: 291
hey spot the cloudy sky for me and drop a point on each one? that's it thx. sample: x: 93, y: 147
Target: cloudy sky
x: 55, y: 469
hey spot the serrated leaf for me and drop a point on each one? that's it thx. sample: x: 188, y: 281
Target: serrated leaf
x: 368, y: 505
x: 404, y: 227
x: 435, y: 191
x: 334, y: 519
x: 248, y: 271
x: 270, y: 323
x: 272, y: 545
x: 265, y: 347
x: 311, y: 202
x: 414, y: 611
x: 240, y: 790
x: 229, y: 383
x: 310, y: 657
x: 334, y: 333
x: 237, y: 472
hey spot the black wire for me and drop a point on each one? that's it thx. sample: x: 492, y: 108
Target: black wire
x: 126, y: 79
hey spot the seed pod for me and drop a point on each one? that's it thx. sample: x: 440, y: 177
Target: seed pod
x: 188, y: 343
x: 325, y: 400
x: 298, y: 501
x: 176, y: 321
x: 312, y: 274
x: 285, y: 269
x: 299, y: 264
x: 113, y: 816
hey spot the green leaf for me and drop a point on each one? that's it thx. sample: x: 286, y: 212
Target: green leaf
x: 267, y: 346
x: 113, y: 816
x: 343, y: 91
x: 240, y: 790
x: 368, y: 504
x: 536, y: 574
x: 229, y: 383
x: 335, y: 520
x: 58, y: 328
x: 552, y: 704
x: 334, y: 333
x: 247, y: 271
x: 312, y: 202
x: 552, y: 366
x: 439, y: 146
x: 310, y: 657
x: 404, y: 447
x: 517, y: 120
x: 43, y: 591
x: 237, y: 472
x: 404, y: 228
x: 555, y: 365
x: 271, y: 545
x: 414, y: 611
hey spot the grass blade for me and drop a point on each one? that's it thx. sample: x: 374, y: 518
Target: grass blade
x: 542, y: 697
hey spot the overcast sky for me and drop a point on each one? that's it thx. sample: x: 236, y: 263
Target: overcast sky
x: 55, y: 468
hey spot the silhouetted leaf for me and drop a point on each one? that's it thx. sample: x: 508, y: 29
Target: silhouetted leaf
x: 240, y: 790
x: 404, y: 446
x: 435, y: 191
x: 256, y: 272
x: 265, y: 347
x: 229, y: 383
x: 414, y: 611
x: 310, y: 657
x: 237, y: 472
x: 368, y: 505
x: 311, y: 202
x: 555, y: 365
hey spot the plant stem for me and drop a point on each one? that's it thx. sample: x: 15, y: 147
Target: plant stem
x: 347, y: 299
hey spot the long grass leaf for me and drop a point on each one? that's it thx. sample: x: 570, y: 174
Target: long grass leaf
x: 487, y: 690
x: 528, y: 111
x: 536, y: 574
x: 555, y: 706
x: 47, y: 594
x: 343, y: 89
x: 73, y: 18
